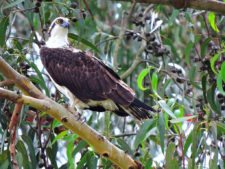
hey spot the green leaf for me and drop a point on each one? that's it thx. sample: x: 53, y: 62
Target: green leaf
x: 213, y: 129
x: 214, y: 160
x: 79, y: 147
x: 188, y: 142
x: 211, y: 98
x: 22, y: 149
x: 220, y: 129
x: 92, y: 160
x: 83, y: 41
x: 82, y: 161
x: 166, y: 108
x: 12, y: 4
x: 4, y: 160
x: 162, y: 130
x: 195, y: 138
x: 204, y: 86
x: 148, y: 164
x: 204, y: 47
x: 154, y: 82
x: 70, y: 156
x: 187, y: 52
x: 144, y: 129
x: 60, y: 136
x: 213, y: 62
x: 141, y: 78
x: 124, y: 146
x: 182, y: 119
x: 171, y: 162
x: 222, y: 71
x: 52, y: 156
x: 219, y: 84
x: 31, y: 148
x: 212, y: 21
x: 3, y: 27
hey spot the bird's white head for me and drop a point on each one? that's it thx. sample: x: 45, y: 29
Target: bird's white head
x: 58, y: 33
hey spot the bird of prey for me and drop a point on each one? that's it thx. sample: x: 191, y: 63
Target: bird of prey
x: 86, y: 80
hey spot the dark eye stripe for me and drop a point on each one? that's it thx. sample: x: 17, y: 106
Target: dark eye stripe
x: 50, y: 30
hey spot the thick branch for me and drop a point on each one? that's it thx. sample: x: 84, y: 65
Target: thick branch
x: 101, y: 145
x: 208, y: 5
x: 21, y: 81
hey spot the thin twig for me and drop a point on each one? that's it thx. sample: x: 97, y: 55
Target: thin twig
x: 123, y: 135
x: 88, y: 8
x: 6, y: 83
x: 124, y: 22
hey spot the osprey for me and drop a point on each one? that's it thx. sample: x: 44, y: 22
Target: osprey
x: 86, y: 80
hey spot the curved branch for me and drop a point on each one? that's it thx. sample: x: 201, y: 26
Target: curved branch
x: 21, y: 81
x: 134, y: 65
x: 208, y: 5
x: 39, y: 101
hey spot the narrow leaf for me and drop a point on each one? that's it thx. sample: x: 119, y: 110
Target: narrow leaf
x: 166, y: 108
x: 222, y: 71
x: 3, y: 27
x: 124, y: 146
x: 162, y: 130
x: 204, y: 86
x: 213, y: 62
x: 212, y: 21
x: 141, y: 78
x: 13, y: 4
x: 171, y: 162
x: 31, y: 148
x: 188, y: 142
x: 83, y: 41
x: 219, y: 83
x: 182, y: 119
x: 22, y: 149
x: 144, y: 129
x: 154, y: 82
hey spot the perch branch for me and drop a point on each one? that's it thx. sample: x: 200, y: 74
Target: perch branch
x: 21, y: 81
x: 37, y: 100
x: 207, y: 5
x: 101, y: 145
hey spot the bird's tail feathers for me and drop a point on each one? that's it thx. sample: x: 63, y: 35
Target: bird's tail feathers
x: 140, y: 110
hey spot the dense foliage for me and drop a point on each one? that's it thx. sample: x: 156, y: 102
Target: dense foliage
x: 172, y: 58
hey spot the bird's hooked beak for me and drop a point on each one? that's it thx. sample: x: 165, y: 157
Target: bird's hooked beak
x: 65, y: 24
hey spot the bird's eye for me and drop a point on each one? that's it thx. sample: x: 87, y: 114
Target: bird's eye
x: 59, y: 21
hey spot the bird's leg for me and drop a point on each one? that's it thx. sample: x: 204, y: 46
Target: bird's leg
x: 76, y: 112
x: 73, y: 111
x: 79, y: 112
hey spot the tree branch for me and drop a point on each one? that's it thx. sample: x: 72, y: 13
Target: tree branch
x: 208, y: 5
x: 21, y: 81
x: 101, y: 145
x: 12, y: 129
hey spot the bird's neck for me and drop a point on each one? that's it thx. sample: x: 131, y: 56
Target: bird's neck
x: 58, y: 40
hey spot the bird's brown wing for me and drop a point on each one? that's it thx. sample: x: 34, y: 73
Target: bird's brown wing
x: 85, y: 76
